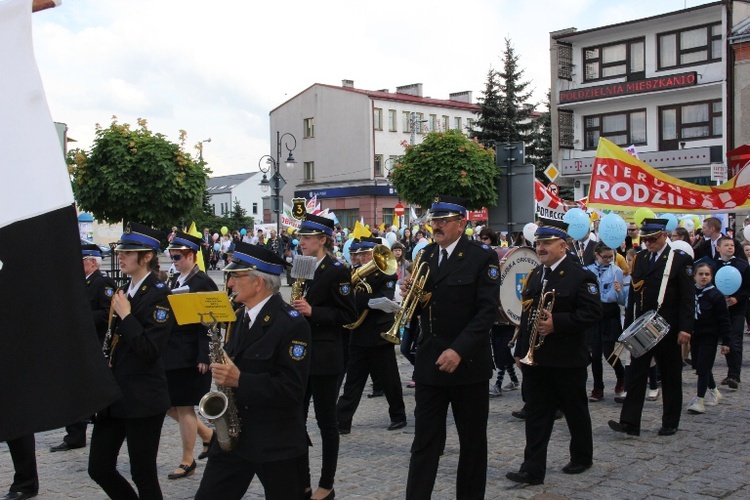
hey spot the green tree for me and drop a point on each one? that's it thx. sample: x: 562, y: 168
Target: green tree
x: 515, y: 120
x: 489, y: 119
x: 446, y: 163
x: 137, y: 175
x: 237, y: 218
x: 539, y: 149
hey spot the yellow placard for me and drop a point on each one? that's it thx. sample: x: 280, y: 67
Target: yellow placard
x: 188, y: 307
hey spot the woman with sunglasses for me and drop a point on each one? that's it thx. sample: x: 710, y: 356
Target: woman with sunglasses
x: 134, y: 345
x: 186, y: 358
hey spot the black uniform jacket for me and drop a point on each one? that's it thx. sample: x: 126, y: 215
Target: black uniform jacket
x: 743, y: 293
x: 577, y: 306
x: 713, y: 316
x: 273, y: 357
x: 100, y: 289
x: 377, y: 321
x: 331, y: 298
x: 188, y: 344
x: 678, y: 307
x: 141, y: 339
x: 459, y: 314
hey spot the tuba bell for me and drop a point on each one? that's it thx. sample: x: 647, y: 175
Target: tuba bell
x: 384, y: 261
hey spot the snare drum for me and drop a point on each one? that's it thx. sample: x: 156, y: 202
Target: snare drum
x: 516, y: 263
x: 644, y: 333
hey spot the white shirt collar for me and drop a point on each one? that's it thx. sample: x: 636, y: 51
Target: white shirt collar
x: 450, y: 247
x: 252, y: 314
x: 135, y: 286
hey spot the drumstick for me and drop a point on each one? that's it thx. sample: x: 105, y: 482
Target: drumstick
x: 616, y: 353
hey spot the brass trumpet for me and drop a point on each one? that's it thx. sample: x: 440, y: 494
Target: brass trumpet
x: 546, y: 303
x: 416, y: 294
x: 384, y: 261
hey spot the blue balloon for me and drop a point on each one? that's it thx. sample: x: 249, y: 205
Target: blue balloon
x: 417, y: 248
x: 728, y: 280
x: 672, y: 221
x: 578, y: 223
x: 345, y: 250
x: 243, y: 231
x: 612, y: 230
x: 295, y: 242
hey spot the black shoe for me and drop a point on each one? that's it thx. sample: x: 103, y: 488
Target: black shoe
x: 18, y: 495
x: 574, y: 468
x: 519, y: 414
x: 523, y: 477
x: 376, y: 394
x: 725, y: 381
x: 64, y: 447
x: 206, y: 447
x: 667, y: 431
x: 329, y: 496
x: 733, y: 383
x: 628, y: 429
x: 619, y: 399
x: 397, y: 425
x: 186, y: 471
x: 345, y: 430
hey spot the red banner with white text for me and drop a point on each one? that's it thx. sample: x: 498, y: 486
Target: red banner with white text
x: 620, y: 181
x: 551, y: 206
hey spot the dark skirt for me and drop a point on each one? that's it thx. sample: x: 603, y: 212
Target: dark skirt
x: 187, y: 386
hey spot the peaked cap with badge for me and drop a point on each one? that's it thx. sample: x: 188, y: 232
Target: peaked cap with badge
x: 248, y: 257
x: 91, y: 250
x: 551, y: 229
x: 444, y: 206
x: 314, y: 224
x: 140, y: 238
x: 184, y: 241
x: 653, y: 226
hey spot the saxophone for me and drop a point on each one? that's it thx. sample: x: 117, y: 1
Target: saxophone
x: 546, y: 303
x: 219, y: 406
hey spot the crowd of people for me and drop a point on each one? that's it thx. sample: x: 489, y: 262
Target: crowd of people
x: 339, y: 329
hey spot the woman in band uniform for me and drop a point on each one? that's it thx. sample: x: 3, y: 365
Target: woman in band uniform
x: 139, y: 337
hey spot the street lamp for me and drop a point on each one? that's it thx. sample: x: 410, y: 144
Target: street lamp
x: 200, y: 149
x: 266, y: 163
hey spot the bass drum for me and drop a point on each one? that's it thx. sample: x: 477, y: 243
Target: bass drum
x: 516, y: 263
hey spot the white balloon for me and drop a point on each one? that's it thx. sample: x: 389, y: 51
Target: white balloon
x: 391, y: 237
x: 687, y: 223
x: 684, y: 246
x: 529, y: 230
x: 746, y: 232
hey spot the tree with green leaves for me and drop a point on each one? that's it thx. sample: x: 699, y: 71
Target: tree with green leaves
x: 237, y: 218
x: 446, y: 163
x: 515, y: 121
x: 137, y: 175
x: 489, y: 120
x: 539, y: 149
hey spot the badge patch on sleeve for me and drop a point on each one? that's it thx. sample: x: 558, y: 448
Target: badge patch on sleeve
x: 298, y: 350
x: 161, y: 314
x: 389, y: 284
x: 109, y: 291
x: 345, y: 288
x: 689, y: 271
x: 493, y: 272
x: 593, y: 290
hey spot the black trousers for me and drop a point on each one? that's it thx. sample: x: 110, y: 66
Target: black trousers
x: 227, y: 476
x: 23, y: 453
x: 324, y: 390
x: 470, y: 404
x: 381, y: 362
x: 143, y: 436
x: 734, y: 358
x: 668, y: 354
x: 76, y: 434
x: 547, y: 389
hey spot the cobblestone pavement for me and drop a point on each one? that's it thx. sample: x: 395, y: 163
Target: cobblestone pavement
x: 708, y: 458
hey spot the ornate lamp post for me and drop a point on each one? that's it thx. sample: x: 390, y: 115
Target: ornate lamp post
x: 277, y: 182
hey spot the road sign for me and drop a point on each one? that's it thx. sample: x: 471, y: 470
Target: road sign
x: 398, y: 209
x: 718, y: 172
x: 554, y: 189
x: 551, y: 172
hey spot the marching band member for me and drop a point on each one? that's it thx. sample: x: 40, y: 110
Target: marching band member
x: 369, y: 352
x: 140, y: 336
x: 678, y: 309
x: 454, y: 359
x: 186, y: 358
x: 327, y: 304
x: 100, y: 288
x: 267, y: 366
x: 560, y: 300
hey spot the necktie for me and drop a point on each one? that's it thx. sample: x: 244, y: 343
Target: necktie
x: 652, y: 260
x: 443, y: 258
x: 546, y: 274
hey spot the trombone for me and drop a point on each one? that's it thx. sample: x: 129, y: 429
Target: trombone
x: 415, y: 295
x: 384, y: 261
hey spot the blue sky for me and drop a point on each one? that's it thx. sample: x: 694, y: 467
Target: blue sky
x: 216, y: 68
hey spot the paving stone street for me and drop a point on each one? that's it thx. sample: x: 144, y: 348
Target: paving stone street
x: 708, y: 458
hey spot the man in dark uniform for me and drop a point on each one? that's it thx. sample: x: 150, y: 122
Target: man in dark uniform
x: 454, y: 359
x: 554, y: 374
x: 267, y: 363
x: 25, y: 480
x: 368, y: 351
x: 677, y: 308
x: 100, y: 289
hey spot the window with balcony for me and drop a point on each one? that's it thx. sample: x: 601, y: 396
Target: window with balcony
x: 614, y: 60
x: 623, y: 128
x: 687, y: 47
